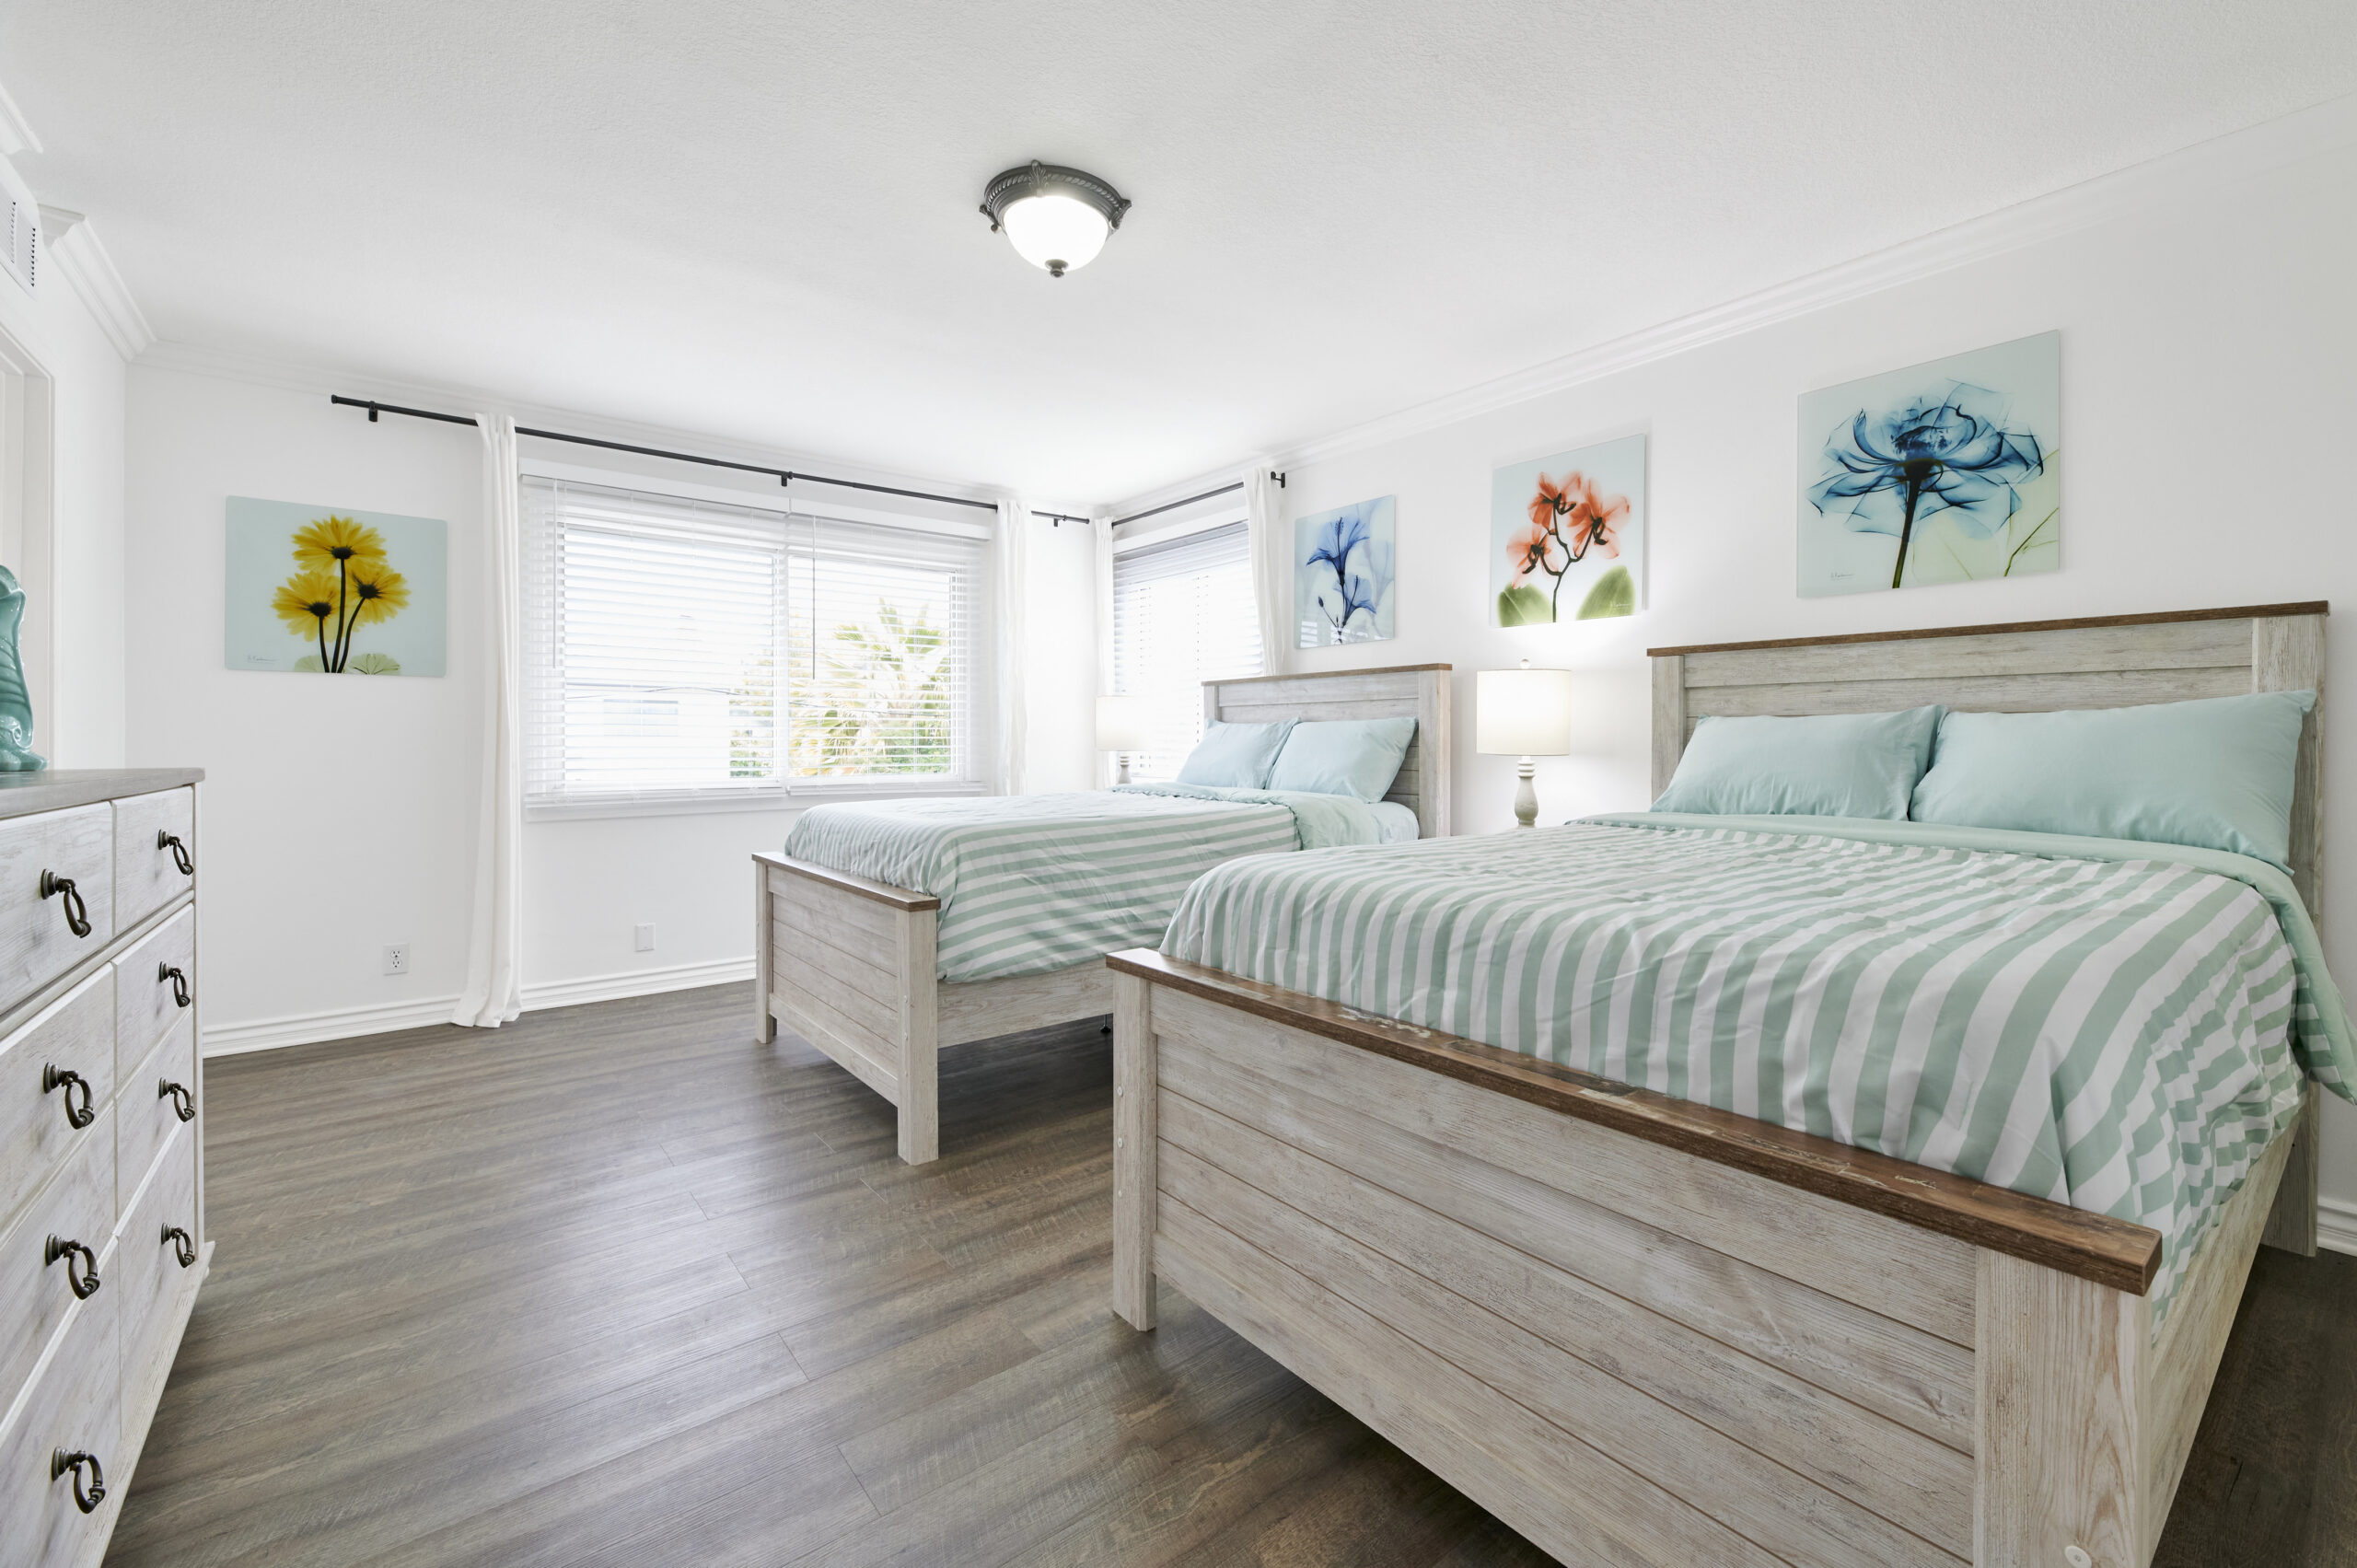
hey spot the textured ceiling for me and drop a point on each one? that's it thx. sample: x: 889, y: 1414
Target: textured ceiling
x: 758, y: 220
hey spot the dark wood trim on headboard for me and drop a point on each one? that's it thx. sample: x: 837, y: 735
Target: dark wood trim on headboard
x: 1306, y: 674
x: 2238, y: 612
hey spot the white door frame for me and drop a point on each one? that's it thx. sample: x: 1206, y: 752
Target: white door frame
x: 29, y: 518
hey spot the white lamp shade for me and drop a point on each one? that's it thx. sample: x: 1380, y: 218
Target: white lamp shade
x: 1523, y: 712
x: 1124, y: 724
x: 1056, y: 228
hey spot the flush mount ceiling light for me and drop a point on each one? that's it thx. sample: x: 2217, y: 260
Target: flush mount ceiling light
x: 1055, y: 217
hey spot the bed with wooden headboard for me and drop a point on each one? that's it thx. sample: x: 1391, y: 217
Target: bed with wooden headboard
x: 1594, y: 1309
x: 849, y: 963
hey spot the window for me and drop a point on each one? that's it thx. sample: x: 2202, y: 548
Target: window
x: 1182, y: 614
x: 683, y: 652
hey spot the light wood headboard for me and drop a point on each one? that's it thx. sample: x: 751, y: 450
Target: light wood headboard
x: 1416, y: 690
x: 2110, y: 661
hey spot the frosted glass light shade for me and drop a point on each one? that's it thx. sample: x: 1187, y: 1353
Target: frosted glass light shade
x: 1122, y: 724
x: 1523, y: 712
x: 1056, y: 217
x: 1059, y: 233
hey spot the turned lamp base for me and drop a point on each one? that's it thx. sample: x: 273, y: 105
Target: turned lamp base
x: 1525, y: 796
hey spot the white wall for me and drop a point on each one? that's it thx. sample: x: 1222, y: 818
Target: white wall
x: 338, y: 815
x: 341, y: 816
x: 1061, y: 620
x: 2208, y: 405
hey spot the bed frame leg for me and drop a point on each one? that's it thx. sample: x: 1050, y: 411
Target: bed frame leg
x: 920, y: 1066
x: 2292, y: 1223
x: 764, y: 954
x: 2060, y: 1365
x: 1134, y: 1177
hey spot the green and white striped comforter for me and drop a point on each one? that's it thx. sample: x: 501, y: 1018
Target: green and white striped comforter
x: 2118, y: 1027
x: 1029, y: 883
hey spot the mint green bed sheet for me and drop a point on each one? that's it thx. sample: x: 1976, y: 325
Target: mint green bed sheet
x: 1029, y: 883
x: 2118, y: 1027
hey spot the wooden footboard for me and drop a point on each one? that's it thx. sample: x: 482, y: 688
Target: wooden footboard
x: 849, y: 965
x: 1641, y: 1330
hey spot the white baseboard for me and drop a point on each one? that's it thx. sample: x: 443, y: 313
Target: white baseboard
x: 635, y: 982
x: 2336, y: 1224
x: 336, y: 1023
x: 354, y: 1023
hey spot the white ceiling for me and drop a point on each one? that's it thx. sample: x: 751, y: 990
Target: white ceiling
x: 758, y: 220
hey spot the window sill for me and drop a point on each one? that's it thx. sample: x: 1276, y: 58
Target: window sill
x: 686, y: 805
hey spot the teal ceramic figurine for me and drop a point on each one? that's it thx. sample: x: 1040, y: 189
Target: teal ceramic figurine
x: 16, y: 754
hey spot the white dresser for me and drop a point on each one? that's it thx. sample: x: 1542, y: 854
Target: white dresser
x: 102, y: 1241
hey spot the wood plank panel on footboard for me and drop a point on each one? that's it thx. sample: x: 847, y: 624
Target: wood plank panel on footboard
x: 1632, y: 1344
x: 850, y: 965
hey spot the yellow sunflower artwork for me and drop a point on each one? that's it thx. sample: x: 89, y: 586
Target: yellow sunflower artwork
x: 357, y: 593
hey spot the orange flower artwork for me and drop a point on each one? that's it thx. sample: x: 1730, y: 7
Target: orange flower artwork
x: 1562, y: 520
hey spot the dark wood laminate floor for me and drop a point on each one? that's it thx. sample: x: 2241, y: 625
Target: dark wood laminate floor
x: 613, y: 1286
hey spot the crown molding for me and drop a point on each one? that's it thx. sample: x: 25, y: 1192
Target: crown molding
x: 2219, y: 163
x: 73, y: 249
x: 16, y: 132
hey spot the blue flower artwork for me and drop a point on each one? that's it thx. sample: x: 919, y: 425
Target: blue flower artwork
x: 1944, y: 472
x: 1342, y: 574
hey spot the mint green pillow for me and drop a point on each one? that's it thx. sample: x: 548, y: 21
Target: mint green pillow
x: 1236, y: 755
x: 1822, y: 765
x: 2214, y: 773
x: 1354, y: 757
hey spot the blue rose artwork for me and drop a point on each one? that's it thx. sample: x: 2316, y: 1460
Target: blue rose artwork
x: 1944, y: 472
x: 1342, y: 574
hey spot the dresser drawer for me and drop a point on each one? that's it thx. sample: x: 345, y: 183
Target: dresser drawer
x: 35, y: 1288
x: 73, y: 1409
x: 50, y: 1070
x: 156, y: 1283
x: 155, y: 835
x: 155, y: 985
x: 150, y: 1111
x: 37, y: 939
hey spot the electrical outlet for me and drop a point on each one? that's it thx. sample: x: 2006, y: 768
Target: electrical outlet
x: 645, y: 935
x: 396, y: 959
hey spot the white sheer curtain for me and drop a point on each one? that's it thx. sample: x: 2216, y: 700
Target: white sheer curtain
x: 1102, y: 529
x: 1010, y: 582
x: 1271, y: 566
x: 494, y: 990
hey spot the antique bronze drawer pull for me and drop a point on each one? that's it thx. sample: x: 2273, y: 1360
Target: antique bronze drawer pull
x: 77, y: 913
x: 183, y: 1106
x: 85, y: 1285
x: 179, y: 983
x: 60, y: 1462
x: 55, y: 1077
x: 179, y: 852
x: 184, y: 1247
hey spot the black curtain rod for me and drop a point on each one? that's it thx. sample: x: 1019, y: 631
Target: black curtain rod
x: 1188, y: 500
x: 784, y: 476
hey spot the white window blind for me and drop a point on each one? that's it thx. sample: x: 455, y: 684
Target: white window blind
x: 683, y: 652
x: 1182, y: 614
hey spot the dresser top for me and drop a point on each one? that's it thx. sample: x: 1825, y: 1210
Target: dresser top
x: 21, y: 795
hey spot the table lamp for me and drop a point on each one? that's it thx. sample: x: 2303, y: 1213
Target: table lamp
x: 1521, y: 713
x: 1124, y: 726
